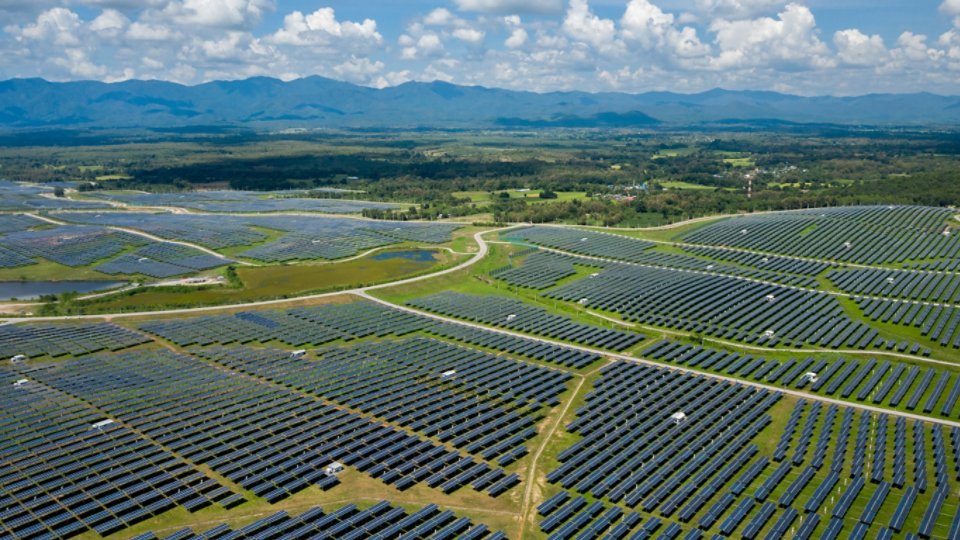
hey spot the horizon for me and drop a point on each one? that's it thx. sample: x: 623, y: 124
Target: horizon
x: 498, y: 88
x: 802, y: 47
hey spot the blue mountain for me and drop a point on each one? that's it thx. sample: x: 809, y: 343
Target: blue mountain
x: 312, y: 102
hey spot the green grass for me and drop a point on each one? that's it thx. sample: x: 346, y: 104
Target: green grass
x: 283, y: 281
x: 741, y: 162
x: 679, y: 184
x: 46, y: 270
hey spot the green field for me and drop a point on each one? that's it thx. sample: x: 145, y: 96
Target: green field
x: 271, y: 282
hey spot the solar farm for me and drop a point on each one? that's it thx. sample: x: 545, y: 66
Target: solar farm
x: 246, y: 201
x: 780, y: 375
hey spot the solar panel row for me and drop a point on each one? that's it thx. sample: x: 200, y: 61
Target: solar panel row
x: 65, y: 469
x: 380, y: 521
x: 518, y: 315
x: 481, y: 403
x: 267, y: 439
x: 858, y: 234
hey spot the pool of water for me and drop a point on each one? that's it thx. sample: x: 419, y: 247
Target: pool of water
x: 419, y: 255
x: 31, y: 290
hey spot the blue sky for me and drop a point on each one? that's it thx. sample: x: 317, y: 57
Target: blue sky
x: 839, y: 47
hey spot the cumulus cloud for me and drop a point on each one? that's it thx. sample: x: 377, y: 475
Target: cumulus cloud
x: 858, y: 49
x: 788, y: 41
x: 218, y: 13
x: 569, y: 44
x: 322, y: 28
x: 110, y: 22
x: 57, y: 25
x: 582, y: 25
x: 518, y: 38
x: 469, y: 35
x: 508, y: 7
x: 651, y: 28
x: 426, y: 45
x: 358, y: 70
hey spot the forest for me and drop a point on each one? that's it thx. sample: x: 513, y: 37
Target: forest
x: 614, y: 177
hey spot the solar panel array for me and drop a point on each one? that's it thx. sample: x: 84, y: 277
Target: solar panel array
x: 245, y: 201
x: 906, y: 284
x: 209, y: 231
x: 304, y: 238
x: 161, y: 260
x: 540, y: 269
x: 582, y: 242
x: 481, y: 403
x: 833, y: 470
x: 938, y: 323
x: 16, y: 222
x: 621, y: 248
x: 71, y: 245
x: 65, y: 469
x: 538, y: 350
x: 892, y: 383
x: 323, y: 324
x: 296, y: 327
x: 12, y: 259
x: 635, y: 453
x: 268, y: 439
x: 518, y: 315
x: 859, y: 234
x: 719, y: 306
x: 333, y: 238
x: 32, y: 197
x: 349, y: 522
x: 76, y: 339
x: 763, y: 262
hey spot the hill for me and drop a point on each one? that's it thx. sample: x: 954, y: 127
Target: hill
x: 321, y: 102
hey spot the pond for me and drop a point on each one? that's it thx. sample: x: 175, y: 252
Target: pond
x: 31, y: 290
x: 419, y: 255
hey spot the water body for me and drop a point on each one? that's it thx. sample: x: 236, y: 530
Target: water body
x: 31, y: 290
x: 419, y: 255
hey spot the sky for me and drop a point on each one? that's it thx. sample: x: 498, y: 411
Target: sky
x: 807, y: 47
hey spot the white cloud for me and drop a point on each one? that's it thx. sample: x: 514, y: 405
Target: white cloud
x: 508, y: 7
x: 469, y: 35
x: 582, y: 25
x: 426, y: 45
x: 79, y: 65
x: 741, y: 44
x: 109, y: 23
x: 139, y: 31
x: 737, y: 9
x: 787, y: 42
x: 647, y: 25
x: 518, y: 38
x: 322, y: 28
x: 218, y: 13
x: 57, y: 25
x: 359, y: 70
x: 952, y: 8
x: 858, y: 49
x: 950, y: 41
x: 439, y: 17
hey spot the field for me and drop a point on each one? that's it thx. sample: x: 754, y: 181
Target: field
x: 271, y: 282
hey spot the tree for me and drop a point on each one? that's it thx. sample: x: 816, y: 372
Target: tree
x: 58, y: 192
x: 547, y: 194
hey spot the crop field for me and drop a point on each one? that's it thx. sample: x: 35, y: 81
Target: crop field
x: 539, y: 382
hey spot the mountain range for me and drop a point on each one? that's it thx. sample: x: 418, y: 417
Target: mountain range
x: 317, y: 102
